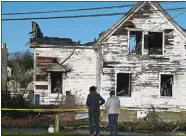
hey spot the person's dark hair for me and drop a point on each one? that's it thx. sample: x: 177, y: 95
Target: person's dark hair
x: 92, y: 88
x: 112, y: 93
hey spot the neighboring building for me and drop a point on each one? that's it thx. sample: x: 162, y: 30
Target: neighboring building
x: 142, y: 57
x: 14, y: 86
x: 9, y: 70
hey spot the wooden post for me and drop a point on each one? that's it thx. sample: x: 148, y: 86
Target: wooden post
x: 31, y: 98
x: 56, y: 123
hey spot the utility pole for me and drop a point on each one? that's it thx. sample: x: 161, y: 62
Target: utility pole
x: 4, y: 74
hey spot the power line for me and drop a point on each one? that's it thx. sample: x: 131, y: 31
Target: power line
x: 84, y: 16
x: 72, y: 10
x: 169, y: 20
x: 69, y: 10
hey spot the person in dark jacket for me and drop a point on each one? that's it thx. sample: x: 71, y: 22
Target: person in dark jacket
x: 94, y: 101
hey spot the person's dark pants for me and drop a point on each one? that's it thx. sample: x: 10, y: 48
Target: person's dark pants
x: 113, y: 123
x: 94, y: 119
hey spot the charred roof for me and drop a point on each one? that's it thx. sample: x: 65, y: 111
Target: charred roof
x: 52, y: 41
x: 38, y: 38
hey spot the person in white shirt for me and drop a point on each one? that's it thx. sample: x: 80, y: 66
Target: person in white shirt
x: 112, y: 109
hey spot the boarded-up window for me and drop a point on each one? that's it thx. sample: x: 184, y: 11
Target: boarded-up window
x: 43, y: 61
x: 41, y: 77
x: 44, y: 87
x: 123, y: 84
x: 166, y: 82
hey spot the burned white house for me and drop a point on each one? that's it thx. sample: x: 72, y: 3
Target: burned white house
x: 142, y: 57
x: 61, y: 67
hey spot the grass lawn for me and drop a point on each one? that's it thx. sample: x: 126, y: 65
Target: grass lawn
x: 57, y: 134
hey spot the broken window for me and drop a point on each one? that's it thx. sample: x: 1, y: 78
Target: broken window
x: 166, y: 85
x: 56, y: 82
x: 155, y: 42
x: 135, y: 42
x: 123, y: 84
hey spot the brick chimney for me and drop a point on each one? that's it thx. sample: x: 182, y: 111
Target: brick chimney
x: 4, y: 74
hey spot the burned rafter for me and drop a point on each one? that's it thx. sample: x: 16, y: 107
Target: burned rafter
x: 36, y: 31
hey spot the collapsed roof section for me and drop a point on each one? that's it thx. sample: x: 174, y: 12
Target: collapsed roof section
x: 37, y: 38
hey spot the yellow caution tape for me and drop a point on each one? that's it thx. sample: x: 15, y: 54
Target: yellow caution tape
x: 69, y: 110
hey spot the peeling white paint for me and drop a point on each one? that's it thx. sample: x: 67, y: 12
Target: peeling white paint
x: 145, y: 70
x: 82, y: 76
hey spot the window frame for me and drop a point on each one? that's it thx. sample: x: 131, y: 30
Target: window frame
x: 142, y: 46
x: 163, y: 43
x: 128, y: 44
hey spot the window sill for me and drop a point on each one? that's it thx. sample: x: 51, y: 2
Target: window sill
x: 125, y: 96
x: 54, y: 93
x: 169, y: 97
x: 158, y: 56
x: 152, y: 55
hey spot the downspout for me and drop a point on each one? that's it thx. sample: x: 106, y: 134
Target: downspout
x: 70, y: 54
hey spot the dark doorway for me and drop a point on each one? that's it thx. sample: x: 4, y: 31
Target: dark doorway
x: 123, y: 84
x: 56, y: 82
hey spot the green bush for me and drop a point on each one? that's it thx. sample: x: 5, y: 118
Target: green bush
x: 13, y: 102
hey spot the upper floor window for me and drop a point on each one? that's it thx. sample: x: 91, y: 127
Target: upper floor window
x: 155, y: 43
x: 151, y: 43
x: 135, y: 42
